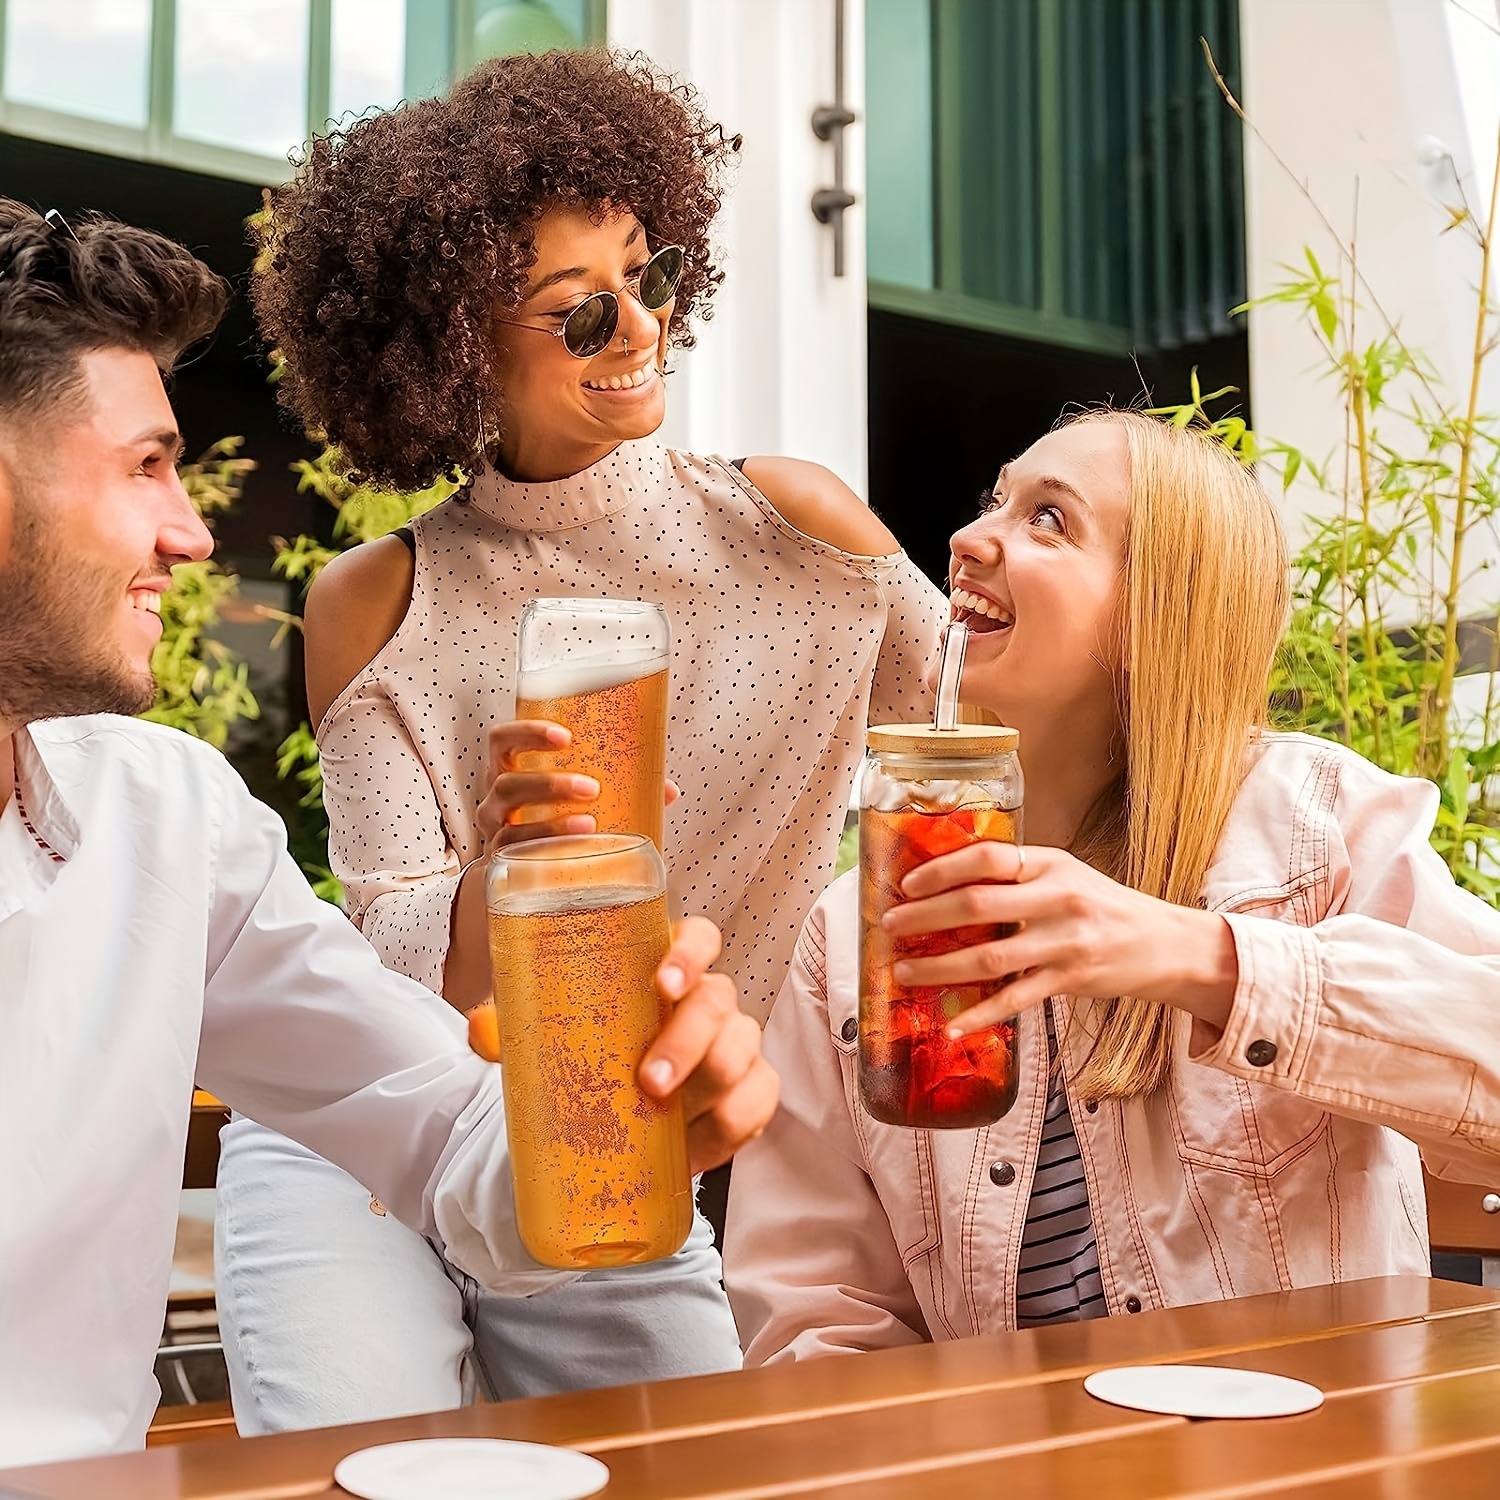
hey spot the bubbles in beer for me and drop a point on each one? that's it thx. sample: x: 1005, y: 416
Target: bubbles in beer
x: 617, y: 712
x: 600, y: 1167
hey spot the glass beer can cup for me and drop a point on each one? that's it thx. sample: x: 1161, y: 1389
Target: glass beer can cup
x: 599, y: 667
x: 924, y: 792
x: 577, y: 927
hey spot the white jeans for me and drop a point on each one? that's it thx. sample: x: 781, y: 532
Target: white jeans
x: 331, y: 1313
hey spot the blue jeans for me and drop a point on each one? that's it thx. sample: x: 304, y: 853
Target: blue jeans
x: 332, y: 1313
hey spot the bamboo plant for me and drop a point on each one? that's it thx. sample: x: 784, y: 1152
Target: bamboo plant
x: 1387, y: 579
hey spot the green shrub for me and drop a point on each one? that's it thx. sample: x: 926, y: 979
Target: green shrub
x: 202, y: 687
x: 1381, y: 578
x: 361, y: 515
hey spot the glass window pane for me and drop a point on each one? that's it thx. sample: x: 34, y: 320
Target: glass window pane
x: 242, y: 74
x: 1476, y: 64
x: 84, y: 57
x: 369, y: 55
x: 503, y: 27
x: 429, y: 47
x: 898, y: 141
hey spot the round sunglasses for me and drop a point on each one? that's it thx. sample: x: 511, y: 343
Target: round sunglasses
x: 588, y: 329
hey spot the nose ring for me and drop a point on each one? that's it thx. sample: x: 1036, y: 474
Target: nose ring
x: 625, y: 344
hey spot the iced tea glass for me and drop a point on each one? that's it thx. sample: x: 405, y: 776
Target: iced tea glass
x: 578, y: 925
x: 925, y: 792
x: 599, y: 667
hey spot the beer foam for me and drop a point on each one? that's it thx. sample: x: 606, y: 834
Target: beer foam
x: 543, y: 683
x: 556, y: 903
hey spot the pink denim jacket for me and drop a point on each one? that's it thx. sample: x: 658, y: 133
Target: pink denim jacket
x: 1365, y: 1020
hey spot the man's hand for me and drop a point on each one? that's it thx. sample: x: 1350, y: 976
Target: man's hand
x: 710, y: 1050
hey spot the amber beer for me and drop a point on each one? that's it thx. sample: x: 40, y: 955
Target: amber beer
x: 599, y: 667
x: 577, y: 928
x: 618, y: 719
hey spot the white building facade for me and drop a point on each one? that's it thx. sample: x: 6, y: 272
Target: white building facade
x: 781, y: 366
x: 1384, y: 116
x: 1023, y: 186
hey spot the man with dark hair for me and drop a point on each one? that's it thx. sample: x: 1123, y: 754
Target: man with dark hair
x: 153, y: 929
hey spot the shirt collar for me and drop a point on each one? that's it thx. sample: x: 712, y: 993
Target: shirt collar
x: 39, y: 800
x: 618, y: 481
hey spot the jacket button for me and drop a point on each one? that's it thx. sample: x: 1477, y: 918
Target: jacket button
x: 1002, y: 1174
x: 1132, y: 1304
x: 1260, y: 1054
x: 1091, y: 1105
x: 850, y: 1029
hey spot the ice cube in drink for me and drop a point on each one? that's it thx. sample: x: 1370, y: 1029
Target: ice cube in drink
x: 911, y: 1073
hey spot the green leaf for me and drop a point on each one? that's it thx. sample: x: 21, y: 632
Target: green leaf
x: 1456, y: 783
x: 1327, y: 314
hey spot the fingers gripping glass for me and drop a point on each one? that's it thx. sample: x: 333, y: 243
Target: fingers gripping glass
x: 588, y: 329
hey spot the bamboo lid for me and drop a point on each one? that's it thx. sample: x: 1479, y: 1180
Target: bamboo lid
x: 962, y: 742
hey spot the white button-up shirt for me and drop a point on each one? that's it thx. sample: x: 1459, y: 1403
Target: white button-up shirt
x: 154, y: 932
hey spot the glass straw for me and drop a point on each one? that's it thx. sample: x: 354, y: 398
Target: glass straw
x: 950, y: 669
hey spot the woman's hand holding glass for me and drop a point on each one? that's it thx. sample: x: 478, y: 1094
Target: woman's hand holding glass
x: 530, y: 804
x: 709, y: 1049
x: 1080, y: 933
x: 516, y: 805
x: 534, y: 804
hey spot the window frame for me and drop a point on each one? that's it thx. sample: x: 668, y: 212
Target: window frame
x: 160, y: 143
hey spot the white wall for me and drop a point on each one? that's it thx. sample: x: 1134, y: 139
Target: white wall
x: 781, y: 366
x: 1361, y: 99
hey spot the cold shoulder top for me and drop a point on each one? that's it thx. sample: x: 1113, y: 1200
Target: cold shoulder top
x: 782, y: 647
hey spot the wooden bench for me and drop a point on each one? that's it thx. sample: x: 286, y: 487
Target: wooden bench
x: 190, y: 1424
x: 190, y: 1421
x: 1464, y: 1219
x: 200, y: 1166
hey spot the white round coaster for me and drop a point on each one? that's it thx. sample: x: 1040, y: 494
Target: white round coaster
x: 1203, y: 1391
x: 470, y: 1469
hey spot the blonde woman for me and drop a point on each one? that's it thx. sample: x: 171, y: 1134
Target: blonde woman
x: 1311, y: 1001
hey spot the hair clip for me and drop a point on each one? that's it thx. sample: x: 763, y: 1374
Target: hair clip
x: 54, y: 220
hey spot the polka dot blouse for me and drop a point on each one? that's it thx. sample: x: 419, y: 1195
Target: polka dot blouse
x: 782, y: 648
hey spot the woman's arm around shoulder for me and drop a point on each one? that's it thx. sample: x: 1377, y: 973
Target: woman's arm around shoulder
x: 353, y: 608
x: 820, y: 505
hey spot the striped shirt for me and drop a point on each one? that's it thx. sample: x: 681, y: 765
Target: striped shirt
x: 1059, y: 1279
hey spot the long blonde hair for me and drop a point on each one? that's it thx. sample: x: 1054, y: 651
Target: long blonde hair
x: 1204, y: 605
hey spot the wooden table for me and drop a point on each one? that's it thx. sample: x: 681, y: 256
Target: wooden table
x: 1411, y: 1369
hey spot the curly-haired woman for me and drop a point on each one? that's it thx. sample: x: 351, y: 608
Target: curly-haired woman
x: 494, y: 282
